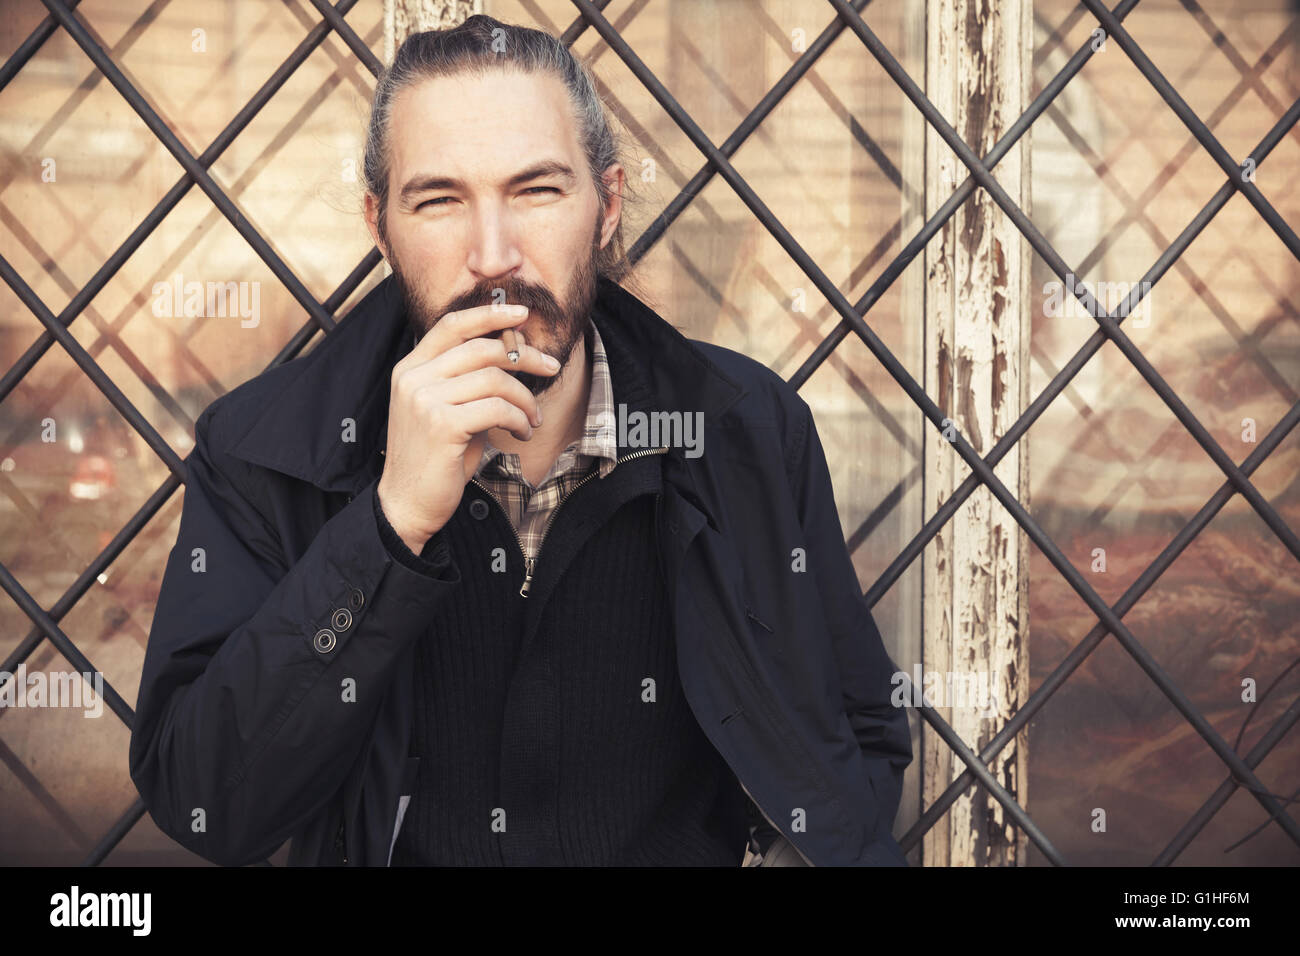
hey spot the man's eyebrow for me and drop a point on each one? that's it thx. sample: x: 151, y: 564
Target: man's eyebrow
x: 426, y: 182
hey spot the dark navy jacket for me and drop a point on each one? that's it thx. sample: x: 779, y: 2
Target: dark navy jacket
x: 245, y: 733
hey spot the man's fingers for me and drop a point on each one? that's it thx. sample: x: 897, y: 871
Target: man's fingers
x: 484, y: 383
x: 493, y: 412
x: 452, y: 329
x: 475, y: 355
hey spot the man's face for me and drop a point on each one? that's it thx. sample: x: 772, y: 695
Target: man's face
x: 462, y: 222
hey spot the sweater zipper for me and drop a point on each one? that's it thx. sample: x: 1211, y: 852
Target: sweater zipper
x: 530, y: 563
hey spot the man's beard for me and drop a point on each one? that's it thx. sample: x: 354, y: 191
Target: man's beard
x: 562, y: 325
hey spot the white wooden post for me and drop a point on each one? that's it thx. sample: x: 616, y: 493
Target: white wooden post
x: 404, y: 17
x: 977, y: 323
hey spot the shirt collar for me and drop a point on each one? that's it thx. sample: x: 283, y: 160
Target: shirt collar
x: 598, y: 438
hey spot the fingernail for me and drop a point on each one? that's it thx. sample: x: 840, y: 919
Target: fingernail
x: 552, y: 362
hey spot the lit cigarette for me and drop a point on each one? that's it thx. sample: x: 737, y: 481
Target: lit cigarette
x: 512, y: 350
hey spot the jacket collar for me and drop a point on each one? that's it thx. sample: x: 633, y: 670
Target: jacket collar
x: 328, y: 424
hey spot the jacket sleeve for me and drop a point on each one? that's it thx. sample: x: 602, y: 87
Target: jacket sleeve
x: 261, y: 680
x: 865, y: 668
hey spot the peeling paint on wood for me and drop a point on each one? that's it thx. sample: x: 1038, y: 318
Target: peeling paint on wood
x: 404, y: 17
x: 976, y: 364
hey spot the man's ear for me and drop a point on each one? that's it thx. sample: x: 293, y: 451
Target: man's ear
x: 371, y: 213
x: 613, y: 178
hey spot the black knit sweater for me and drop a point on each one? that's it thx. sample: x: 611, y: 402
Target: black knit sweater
x: 553, y: 729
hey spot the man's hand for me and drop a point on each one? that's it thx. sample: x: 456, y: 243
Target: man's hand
x: 446, y: 393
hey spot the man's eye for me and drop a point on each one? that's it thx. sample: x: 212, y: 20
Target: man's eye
x: 441, y: 199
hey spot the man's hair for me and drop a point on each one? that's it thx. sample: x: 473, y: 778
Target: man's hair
x: 473, y: 47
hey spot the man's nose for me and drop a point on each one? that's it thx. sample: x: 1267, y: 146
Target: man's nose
x: 494, y: 247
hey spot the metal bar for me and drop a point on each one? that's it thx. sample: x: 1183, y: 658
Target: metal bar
x: 1226, y: 789
x: 349, y: 36
x: 1188, y: 149
x: 977, y: 767
x: 182, y: 155
x: 107, y: 336
x: 309, y: 329
x: 109, y: 333
x: 739, y: 135
x: 1153, y: 275
x: 133, y: 527
x: 169, y: 201
x: 27, y: 49
x: 748, y: 125
x: 949, y: 208
x: 93, y: 570
x: 53, y: 121
x: 1079, y: 654
x: 91, y: 368
x: 64, y: 643
x: 113, y: 836
x: 164, y: 491
x: 1058, y: 383
x: 1068, y: 571
x: 1054, y: 261
x: 44, y: 621
x: 1194, y: 124
x: 899, y: 264
x: 138, y: 521
x: 1135, y: 212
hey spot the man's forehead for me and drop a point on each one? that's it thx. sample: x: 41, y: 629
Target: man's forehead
x: 488, y: 123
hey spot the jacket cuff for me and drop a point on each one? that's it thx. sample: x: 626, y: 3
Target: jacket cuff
x: 432, y: 562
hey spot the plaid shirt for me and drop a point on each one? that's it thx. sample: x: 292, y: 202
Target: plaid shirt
x: 529, y: 508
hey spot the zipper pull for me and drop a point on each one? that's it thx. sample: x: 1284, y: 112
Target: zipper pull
x: 529, y: 564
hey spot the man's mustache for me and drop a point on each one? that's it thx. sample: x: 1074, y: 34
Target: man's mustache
x: 539, y: 302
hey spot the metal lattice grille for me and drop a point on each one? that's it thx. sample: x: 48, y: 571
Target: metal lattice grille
x: 844, y: 16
